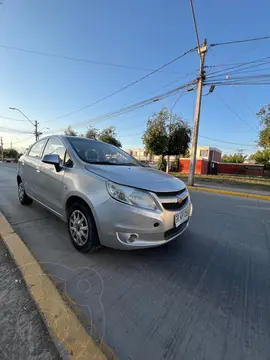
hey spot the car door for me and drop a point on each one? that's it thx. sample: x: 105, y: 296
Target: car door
x: 30, y: 168
x: 51, y: 186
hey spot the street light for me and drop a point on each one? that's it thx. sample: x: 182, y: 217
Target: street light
x: 40, y: 131
x: 35, y: 124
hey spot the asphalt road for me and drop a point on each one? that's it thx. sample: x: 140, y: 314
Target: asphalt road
x: 204, y: 296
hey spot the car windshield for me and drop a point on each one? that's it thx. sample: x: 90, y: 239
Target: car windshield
x: 97, y: 152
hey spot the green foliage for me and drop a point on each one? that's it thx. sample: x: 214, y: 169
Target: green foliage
x: 175, y: 165
x: 187, y: 155
x: 235, y: 158
x: 109, y: 136
x: 161, y: 138
x: 70, y: 131
x: 262, y: 157
x: 92, y: 133
x: 264, y: 136
x: 11, y: 154
x: 161, y: 163
x: 155, y: 137
x: 179, y: 137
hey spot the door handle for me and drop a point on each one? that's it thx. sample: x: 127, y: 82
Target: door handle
x: 37, y: 169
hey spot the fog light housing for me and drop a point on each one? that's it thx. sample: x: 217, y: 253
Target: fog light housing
x: 131, y: 238
x: 127, y: 238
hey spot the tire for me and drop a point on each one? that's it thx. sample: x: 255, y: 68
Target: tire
x: 23, y: 197
x: 82, y: 228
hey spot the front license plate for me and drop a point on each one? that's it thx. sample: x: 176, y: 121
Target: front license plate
x: 181, y: 216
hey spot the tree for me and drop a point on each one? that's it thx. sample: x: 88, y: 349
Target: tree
x: 155, y: 137
x: 262, y: 157
x: 264, y: 136
x: 70, y: 131
x: 179, y: 136
x: 162, y: 139
x: 161, y: 163
x: 235, y: 158
x: 187, y: 155
x: 92, y: 133
x: 109, y: 136
x: 11, y: 154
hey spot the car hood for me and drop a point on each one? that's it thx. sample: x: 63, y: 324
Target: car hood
x: 138, y: 177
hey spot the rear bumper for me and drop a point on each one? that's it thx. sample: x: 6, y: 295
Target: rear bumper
x: 118, y: 221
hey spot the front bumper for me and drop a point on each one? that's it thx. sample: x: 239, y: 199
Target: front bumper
x: 117, y: 221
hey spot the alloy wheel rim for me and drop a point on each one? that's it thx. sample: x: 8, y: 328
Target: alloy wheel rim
x: 78, y: 227
x: 21, y: 191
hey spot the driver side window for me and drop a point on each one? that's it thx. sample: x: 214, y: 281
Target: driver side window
x: 55, y: 146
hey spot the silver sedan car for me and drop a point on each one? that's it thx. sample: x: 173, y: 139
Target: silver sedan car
x: 105, y: 195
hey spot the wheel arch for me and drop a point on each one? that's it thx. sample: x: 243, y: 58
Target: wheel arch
x: 77, y: 198
x: 19, y: 179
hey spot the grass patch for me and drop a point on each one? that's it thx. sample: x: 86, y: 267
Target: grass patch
x: 236, y: 181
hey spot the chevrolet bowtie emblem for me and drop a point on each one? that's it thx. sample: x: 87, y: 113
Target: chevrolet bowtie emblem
x: 179, y: 200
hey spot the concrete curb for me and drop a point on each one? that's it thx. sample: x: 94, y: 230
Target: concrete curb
x: 228, y: 192
x: 68, y: 334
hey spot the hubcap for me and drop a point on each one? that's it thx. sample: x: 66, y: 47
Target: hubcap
x: 78, y: 227
x: 21, y: 191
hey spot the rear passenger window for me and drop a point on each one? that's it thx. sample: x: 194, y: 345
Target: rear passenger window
x: 36, y: 149
x: 55, y: 146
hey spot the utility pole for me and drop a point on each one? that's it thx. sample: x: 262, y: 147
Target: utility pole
x: 35, y: 124
x: 240, y: 151
x: 36, y: 130
x: 202, y: 52
x: 2, y: 149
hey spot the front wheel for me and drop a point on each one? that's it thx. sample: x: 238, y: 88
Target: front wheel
x: 23, y: 197
x: 82, y: 228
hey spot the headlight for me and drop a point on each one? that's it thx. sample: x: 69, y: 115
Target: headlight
x: 131, y: 196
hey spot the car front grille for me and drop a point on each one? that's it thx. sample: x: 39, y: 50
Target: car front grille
x: 173, y: 201
x: 175, y: 206
x: 175, y: 230
x: 171, y: 193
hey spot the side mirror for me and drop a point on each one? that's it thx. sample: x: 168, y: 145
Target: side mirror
x: 52, y: 159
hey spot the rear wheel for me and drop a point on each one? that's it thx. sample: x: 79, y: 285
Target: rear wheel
x: 82, y: 228
x: 23, y: 197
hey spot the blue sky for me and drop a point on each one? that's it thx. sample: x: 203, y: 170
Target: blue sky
x: 141, y: 34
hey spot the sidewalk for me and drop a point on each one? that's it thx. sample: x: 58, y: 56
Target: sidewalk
x: 23, y: 334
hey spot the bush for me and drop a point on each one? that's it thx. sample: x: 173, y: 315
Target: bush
x: 175, y: 165
x: 161, y: 164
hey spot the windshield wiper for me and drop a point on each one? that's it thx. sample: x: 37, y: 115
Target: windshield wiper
x: 109, y: 163
x: 100, y: 162
x: 126, y: 164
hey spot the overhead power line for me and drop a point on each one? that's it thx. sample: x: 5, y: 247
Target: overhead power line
x: 201, y: 136
x: 239, y: 117
x: 130, y: 108
x: 123, y: 88
x: 225, y: 142
x: 241, y: 41
x: 195, y: 24
x: 5, y: 129
x: 16, y: 142
x: 71, y: 58
x: 244, y: 99
x: 253, y: 63
x: 13, y: 119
